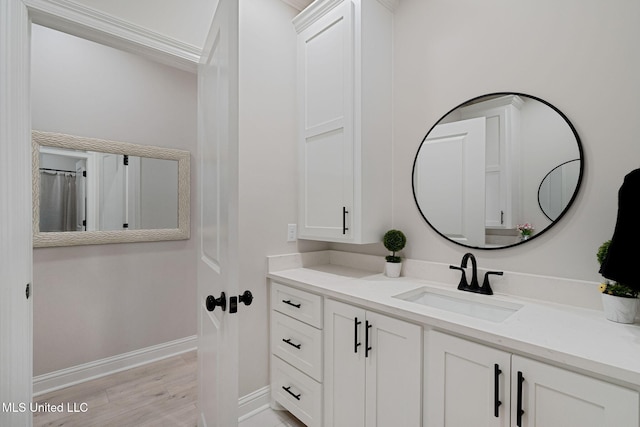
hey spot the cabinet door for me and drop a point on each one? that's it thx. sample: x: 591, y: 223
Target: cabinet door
x: 554, y: 397
x: 462, y: 383
x: 393, y: 372
x: 325, y: 91
x: 344, y: 379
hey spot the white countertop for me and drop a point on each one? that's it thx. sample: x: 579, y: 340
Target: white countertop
x: 578, y: 338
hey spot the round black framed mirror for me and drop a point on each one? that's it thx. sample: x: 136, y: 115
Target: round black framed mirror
x: 478, y: 172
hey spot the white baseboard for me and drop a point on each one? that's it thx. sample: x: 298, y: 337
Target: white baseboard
x: 99, y: 368
x: 253, y: 403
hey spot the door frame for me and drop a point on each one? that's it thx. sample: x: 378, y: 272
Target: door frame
x: 16, y: 316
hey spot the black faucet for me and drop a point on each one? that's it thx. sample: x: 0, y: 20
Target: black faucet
x: 473, y: 286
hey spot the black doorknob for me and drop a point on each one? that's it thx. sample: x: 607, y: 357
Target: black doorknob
x: 221, y: 302
x: 246, y: 298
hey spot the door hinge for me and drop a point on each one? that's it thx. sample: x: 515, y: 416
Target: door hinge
x: 28, y: 290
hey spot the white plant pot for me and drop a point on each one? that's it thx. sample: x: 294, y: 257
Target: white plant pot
x: 619, y: 309
x: 392, y: 269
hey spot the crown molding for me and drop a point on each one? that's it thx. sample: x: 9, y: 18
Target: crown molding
x: 320, y: 7
x: 298, y: 4
x: 392, y: 5
x: 91, y: 24
x: 313, y: 13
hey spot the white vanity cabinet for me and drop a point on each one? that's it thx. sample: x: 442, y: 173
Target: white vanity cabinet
x: 373, y: 366
x: 296, y: 352
x: 344, y: 120
x: 473, y: 384
x: 502, y: 158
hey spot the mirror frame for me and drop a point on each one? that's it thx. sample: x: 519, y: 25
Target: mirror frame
x: 75, y: 238
x: 581, y: 157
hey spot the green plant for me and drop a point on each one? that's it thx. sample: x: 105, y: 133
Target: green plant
x: 394, y: 240
x: 613, y: 288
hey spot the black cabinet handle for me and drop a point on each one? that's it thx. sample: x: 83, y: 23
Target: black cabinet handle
x: 519, y: 410
x: 366, y: 338
x: 288, y: 341
x: 288, y: 390
x: 292, y: 304
x: 496, y: 390
x: 356, y: 344
x: 344, y: 220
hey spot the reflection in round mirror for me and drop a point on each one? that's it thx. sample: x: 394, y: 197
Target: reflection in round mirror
x: 477, y: 173
x: 557, y: 188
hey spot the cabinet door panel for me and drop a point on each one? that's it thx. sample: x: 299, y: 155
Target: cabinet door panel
x: 394, y: 372
x: 554, y: 397
x: 461, y: 383
x: 344, y: 366
x: 326, y: 57
x: 326, y: 126
x: 324, y: 182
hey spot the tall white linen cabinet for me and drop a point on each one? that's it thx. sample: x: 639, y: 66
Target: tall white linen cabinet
x: 344, y: 120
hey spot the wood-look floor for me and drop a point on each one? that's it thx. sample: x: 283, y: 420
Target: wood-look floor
x: 162, y: 393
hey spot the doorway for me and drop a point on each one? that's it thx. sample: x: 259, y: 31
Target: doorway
x: 98, y: 307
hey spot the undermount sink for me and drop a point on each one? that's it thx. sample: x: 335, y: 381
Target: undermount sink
x: 464, y: 303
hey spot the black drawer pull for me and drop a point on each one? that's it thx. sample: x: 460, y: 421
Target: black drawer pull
x: 356, y: 344
x: 288, y: 390
x: 519, y: 410
x: 288, y: 341
x: 344, y: 220
x: 292, y: 304
x: 496, y: 390
x: 367, y: 349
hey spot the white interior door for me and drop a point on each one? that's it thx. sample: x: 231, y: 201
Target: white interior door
x: 218, y: 250
x: 111, y: 191
x: 450, y: 180
x: 16, y: 333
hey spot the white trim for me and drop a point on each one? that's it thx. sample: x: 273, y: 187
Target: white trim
x: 298, y: 4
x: 100, y: 27
x: 253, y: 403
x: 110, y: 365
x: 314, y: 12
x: 317, y: 9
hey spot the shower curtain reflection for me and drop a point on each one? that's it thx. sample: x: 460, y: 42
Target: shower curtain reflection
x: 58, y: 204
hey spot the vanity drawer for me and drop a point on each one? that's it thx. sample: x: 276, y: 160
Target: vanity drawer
x: 297, y: 343
x: 298, y: 393
x: 298, y: 304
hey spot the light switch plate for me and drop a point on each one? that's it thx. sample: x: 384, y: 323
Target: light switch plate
x: 292, y: 233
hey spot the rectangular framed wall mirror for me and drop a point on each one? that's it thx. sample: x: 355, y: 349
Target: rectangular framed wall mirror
x: 89, y: 191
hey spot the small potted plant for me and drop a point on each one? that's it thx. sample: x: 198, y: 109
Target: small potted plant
x: 620, y: 302
x: 394, y: 241
x: 525, y: 230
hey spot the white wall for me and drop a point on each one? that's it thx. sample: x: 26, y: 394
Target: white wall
x: 579, y: 55
x: 92, y: 302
